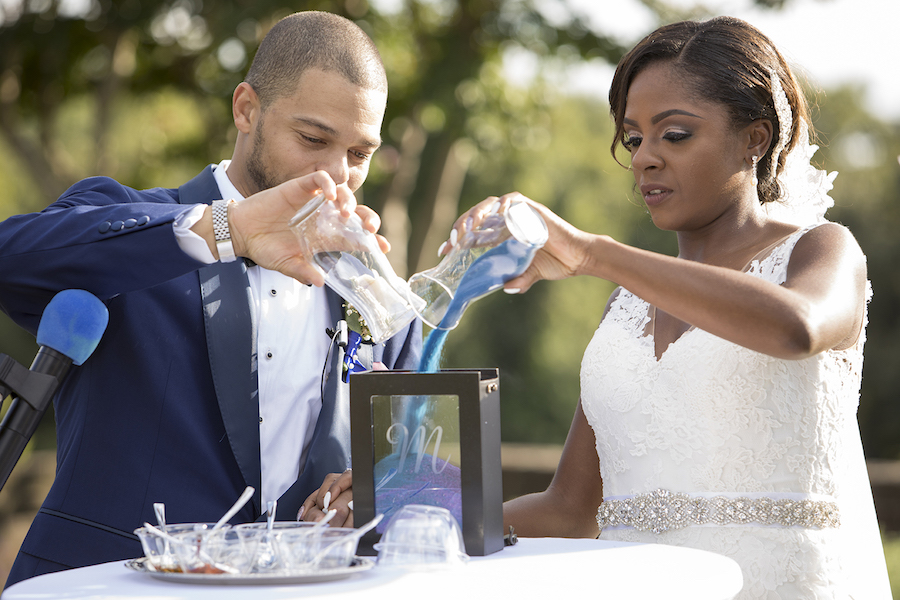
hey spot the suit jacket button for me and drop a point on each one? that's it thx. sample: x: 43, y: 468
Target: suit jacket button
x: 143, y: 220
x: 130, y: 223
x: 104, y: 227
x: 116, y: 226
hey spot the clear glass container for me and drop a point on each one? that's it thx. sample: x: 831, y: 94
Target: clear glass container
x: 355, y: 267
x: 500, y: 248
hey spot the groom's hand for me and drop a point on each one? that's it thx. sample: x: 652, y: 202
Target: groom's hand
x: 260, y: 224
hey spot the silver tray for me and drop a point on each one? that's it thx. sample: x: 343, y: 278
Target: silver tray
x: 359, y: 565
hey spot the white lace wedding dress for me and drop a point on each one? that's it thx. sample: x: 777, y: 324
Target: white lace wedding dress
x: 711, y: 419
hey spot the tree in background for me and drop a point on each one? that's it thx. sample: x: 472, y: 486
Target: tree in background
x: 140, y: 90
x: 443, y: 60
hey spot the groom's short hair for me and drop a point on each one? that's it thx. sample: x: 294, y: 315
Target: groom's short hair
x: 314, y: 39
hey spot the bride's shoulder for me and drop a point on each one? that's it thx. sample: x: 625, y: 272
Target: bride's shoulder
x: 827, y: 239
x: 828, y: 252
x: 815, y: 241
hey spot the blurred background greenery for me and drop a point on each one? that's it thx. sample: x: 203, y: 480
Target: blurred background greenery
x: 140, y: 90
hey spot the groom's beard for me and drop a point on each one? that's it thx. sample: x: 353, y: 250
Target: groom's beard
x: 260, y: 177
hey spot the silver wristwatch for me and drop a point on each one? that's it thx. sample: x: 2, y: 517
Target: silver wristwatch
x: 222, y: 231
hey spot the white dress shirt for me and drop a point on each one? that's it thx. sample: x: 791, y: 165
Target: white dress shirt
x: 292, y: 346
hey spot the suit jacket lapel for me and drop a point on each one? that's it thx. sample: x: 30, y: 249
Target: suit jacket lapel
x: 231, y: 342
x: 329, y: 450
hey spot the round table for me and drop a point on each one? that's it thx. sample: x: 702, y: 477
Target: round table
x: 534, y: 568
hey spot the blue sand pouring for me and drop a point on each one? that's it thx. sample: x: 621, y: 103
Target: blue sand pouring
x: 481, y: 262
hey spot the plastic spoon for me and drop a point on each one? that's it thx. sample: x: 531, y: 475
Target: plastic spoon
x: 270, y: 515
x: 245, y: 497
x: 266, y: 557
x: 160, y: 510
x: 328, y: 516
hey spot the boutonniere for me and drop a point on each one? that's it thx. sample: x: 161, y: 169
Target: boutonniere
x: 355, y: 322
x: 358, y: 334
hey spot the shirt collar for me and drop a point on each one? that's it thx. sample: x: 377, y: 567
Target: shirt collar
x: 225, y: 186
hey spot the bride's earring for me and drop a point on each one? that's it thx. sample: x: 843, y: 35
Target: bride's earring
x: 754, y: 161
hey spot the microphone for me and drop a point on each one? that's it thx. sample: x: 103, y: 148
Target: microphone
x: 70, y: 329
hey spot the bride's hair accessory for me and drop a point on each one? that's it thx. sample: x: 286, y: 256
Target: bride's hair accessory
x: 783, y: 114
x: 804, y: 188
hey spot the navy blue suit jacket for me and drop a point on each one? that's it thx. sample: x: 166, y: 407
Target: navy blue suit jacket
x: 164, y: 410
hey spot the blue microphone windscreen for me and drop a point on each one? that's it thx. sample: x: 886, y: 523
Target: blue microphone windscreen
x: 72, y: 324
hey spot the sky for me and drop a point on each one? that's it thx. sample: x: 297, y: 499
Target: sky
x: 832, y: 42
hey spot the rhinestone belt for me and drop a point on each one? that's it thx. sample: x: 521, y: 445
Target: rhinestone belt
x: 661, y: 510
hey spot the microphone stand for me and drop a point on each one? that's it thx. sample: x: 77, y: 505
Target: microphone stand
x: 32, y: 391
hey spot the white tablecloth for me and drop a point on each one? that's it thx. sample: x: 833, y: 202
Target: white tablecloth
x: 534, y: 568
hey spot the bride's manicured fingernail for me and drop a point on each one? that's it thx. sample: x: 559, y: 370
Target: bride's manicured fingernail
x: 300, y: 513
x: 453, y: 236
x: 350, y: 505
x: 326, y: 501
x: 441, y: 249
x: 495, y: 207
x: 512, y: 290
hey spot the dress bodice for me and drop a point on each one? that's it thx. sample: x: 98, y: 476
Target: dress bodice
x: 710, y: 416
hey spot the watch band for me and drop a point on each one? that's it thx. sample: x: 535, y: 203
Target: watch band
x: 222, y: 231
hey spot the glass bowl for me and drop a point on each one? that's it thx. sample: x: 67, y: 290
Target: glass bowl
x: 223, y: 551
x: 331, y: 547
x: 161, y: 552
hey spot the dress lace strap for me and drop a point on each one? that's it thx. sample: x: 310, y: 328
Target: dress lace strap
x: 771, y: 262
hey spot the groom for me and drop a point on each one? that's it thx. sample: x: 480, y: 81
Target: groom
x: 215, y: 372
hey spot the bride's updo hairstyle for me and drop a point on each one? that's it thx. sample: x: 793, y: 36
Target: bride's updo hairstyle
x: 725, y: 61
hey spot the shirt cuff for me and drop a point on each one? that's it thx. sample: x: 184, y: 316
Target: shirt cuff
x: 192, y: 244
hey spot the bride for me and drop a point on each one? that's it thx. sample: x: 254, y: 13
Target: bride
x: 719, y: 392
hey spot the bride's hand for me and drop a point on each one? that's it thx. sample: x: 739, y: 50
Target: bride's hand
x: 335, y: 493
x: 563, y: 255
